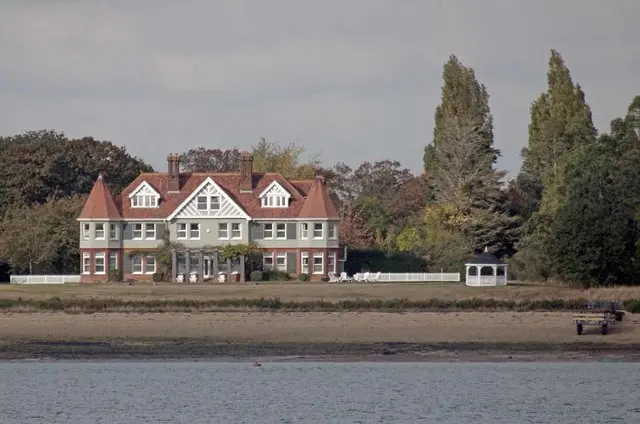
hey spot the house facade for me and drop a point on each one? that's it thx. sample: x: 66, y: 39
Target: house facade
x: 294, y: 223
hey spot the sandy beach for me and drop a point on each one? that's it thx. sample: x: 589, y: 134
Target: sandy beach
x: 347, y: 335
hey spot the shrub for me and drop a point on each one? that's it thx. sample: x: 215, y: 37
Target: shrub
x: 116, y: 275
x: 303, y: 277
x: 158, y: 276
x: 275, y: 276
x: 255, y: 276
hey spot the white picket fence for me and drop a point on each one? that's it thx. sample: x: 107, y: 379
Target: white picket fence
x: 44, y: 279
x: 396, y: 277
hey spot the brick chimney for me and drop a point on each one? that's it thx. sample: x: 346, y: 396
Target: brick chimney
x: 246, y: 172
x: 173, y: 163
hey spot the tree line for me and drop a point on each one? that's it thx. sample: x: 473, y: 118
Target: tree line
x: 571, y: 214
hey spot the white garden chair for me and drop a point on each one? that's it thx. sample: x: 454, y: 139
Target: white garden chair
x: 344, y: 277
x: 374, y: 277
x: 333, y: 278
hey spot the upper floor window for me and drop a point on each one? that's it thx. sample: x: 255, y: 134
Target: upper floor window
x: 208, y: 203
x: 113, y: 231
x: 86, y: 231
x: 270, y: 201
x: 268, y: 231
x: 144, y: 196
x: 99, y: 231
x: 332, y: 231
x: 274, y: 196
x: 304, y: 230
x: 318, y: 230
x: 145, y: 231
x: 144, y: 201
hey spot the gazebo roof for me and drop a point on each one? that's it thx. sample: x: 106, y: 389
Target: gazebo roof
x: 484, y: 258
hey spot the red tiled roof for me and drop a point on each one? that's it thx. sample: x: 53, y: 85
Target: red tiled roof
x: 229, y: 182
x: 100, y: 203
x: 318, y: 203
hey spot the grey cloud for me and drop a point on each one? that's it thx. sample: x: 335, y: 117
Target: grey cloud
x: 355, y: 80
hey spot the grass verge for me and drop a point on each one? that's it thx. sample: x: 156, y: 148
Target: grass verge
x: 93, y: 305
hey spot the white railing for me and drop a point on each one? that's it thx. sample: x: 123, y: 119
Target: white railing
x: 391, y: 277
x: 44, y: 279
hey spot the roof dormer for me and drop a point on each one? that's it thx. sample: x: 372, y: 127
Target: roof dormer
x: 274, y: 196
x: 144, y: 196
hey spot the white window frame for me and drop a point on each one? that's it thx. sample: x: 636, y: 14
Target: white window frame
x: 113, y: 231
x: 236, y: 234
x: 208, y: 204
x: 332, y: 231
x: 113, y: 255
x: 265, y: 256
x: 101, y: 256
x: 148, y: 227
x: 194, y: 228
x: 99, y: 231
x: 223, y: 228
x: 275, y: 201
x: 313, y: 264
x: 281, y: 267
x: 304, y: 267
x: 321, y: 224
x: 146, y: 264
x: 270, y: 231
x: 278, y: 229
x: 144, y: 201
x: 182, y: 232
x: 86, y: 263
x: 304, y: 230
x: 138, y: 227
x: 331, y: 256
x: 86, y: 231
x: 134, y: 259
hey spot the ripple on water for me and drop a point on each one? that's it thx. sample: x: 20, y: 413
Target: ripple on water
x: 345, y: 393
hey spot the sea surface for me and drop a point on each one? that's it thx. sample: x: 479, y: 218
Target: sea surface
x: 285, y: 392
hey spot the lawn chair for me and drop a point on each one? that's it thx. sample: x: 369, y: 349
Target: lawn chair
x: 333, y: 278
x: 373, y: 278
x: 365, y: 277
x: 344, y: 277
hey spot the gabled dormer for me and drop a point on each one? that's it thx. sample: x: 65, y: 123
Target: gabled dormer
x: 144, y: 196
x: 274, y: 196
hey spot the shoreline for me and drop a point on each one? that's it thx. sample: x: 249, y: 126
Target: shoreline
x: 211, y: 351
x: 305, y: 336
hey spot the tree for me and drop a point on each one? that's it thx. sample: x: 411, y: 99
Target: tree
x: 464, y: 178
x: 561, y: 120
x: 287, y: 160
x: 24, y: 239
x: 39, y: 165
x: 593, y: 238
x: 354, y: 230
x: 561, y: 123
x: 211, y: 160
x: 464, y: 98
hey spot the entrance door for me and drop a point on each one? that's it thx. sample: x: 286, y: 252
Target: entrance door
x: 208, y: 267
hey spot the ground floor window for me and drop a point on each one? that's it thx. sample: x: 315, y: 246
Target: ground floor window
x: 281, y: 262
x: 267, y: 261
x: 136, y: 264
x: 113, y: 260
x: 318, y: 263
x: 86, y: 263
x: 331, y: 262
x: 98, y: 263
x: 305, y: 262
x: 150, y: 265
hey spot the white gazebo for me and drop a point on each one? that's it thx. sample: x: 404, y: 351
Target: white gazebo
x: 486, y: 269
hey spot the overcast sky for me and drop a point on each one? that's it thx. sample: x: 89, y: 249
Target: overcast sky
x: 351, y: 80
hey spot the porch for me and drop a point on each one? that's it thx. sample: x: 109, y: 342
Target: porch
x: 202, y: 265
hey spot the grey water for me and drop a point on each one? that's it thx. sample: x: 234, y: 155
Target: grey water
x: 285, y: 392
